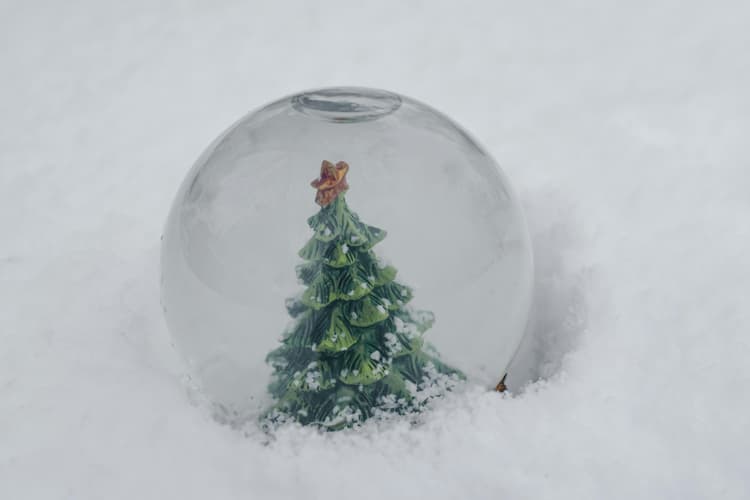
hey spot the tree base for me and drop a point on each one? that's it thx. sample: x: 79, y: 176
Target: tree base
x: 501, y: 387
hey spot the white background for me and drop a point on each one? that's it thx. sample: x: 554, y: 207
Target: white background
x: 623, y: 125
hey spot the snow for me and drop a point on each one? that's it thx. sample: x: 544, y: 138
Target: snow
x: 623, y: 125
x: 393, y: 344
x: 312, y: 379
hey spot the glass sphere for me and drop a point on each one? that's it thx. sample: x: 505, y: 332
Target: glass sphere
x: 455, y: 234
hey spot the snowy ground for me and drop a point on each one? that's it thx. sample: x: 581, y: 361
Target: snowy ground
x: 623, y: 125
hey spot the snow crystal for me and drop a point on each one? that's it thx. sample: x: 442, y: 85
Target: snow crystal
x: 388, y: 402
x: 312, y: 379
x: 345, y: 248
x: 408, y: 329
x: 380, y: 309
x: 343, y: 415
x: 375, y: 355
x: 392, y: 344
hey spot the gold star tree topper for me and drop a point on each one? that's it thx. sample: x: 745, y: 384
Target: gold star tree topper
x: 331, y: 183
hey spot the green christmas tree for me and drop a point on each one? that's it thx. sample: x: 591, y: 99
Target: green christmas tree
x: 354, y: 348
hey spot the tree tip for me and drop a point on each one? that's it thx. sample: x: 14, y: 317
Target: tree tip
x: 331, y: 182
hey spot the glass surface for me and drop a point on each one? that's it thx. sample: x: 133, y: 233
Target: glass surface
x: 455, y: 233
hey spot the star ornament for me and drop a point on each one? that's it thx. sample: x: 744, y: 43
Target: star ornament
x: 331, y: 183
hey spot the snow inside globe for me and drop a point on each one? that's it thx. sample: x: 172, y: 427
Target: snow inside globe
x: 341, y: 254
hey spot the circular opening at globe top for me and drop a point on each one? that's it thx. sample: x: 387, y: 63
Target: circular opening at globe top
x: 346, y: 104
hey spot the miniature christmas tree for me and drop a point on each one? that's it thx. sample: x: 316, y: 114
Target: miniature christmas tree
x: 354, y: 348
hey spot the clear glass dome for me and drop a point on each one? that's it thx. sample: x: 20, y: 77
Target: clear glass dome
x: 455, y: 233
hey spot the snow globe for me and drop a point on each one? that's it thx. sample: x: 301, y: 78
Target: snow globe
x: 286, y: 298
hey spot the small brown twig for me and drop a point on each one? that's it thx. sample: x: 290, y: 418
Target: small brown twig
x: 501, y: 387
